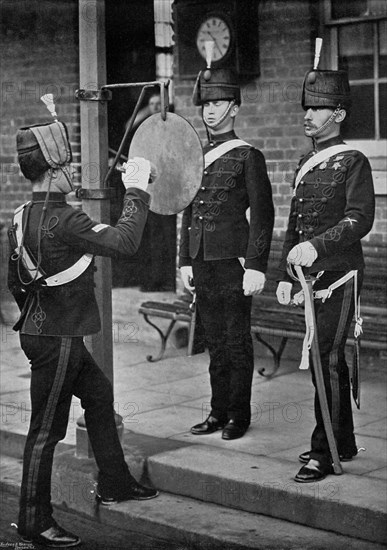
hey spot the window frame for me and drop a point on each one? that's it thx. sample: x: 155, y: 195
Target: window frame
x: 375, y: 149
x: 332, y: 26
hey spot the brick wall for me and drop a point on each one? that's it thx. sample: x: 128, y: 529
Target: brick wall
x: 39, y: 46
x: 271, y: 117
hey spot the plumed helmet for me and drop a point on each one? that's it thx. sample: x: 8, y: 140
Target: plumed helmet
x: 326, y: 89
x: 216, y: 85
x: 41, y: 147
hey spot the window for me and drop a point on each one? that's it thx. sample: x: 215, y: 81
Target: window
x: 358, y: 44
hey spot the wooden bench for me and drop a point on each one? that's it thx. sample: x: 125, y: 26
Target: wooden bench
x: 178, y: 310
x: 287, y: 322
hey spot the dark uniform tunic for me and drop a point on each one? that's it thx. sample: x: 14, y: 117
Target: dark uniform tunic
x: 215, y: 233
x: 333, y: 208
x: 52, y: 325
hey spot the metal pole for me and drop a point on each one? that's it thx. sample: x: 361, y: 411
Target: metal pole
x: 94, y: 153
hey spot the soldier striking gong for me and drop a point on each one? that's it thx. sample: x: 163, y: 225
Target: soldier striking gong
x: 51, y: 277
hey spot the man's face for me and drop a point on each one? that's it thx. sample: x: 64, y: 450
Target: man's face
x: 154, y: 104
x: 214, y: 110
x: 314, y: 118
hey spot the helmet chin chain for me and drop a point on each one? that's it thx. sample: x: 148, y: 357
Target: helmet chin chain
x: 67, y: 175
x: 314, y: 133
x: 215, y: 124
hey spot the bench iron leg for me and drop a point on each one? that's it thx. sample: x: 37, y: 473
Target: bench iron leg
x: 276, y: 354
x: 164, y: 339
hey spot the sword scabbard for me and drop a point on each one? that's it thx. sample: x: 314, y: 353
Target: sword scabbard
x: 307, y: 285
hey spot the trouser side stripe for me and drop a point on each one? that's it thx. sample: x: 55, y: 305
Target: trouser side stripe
x: 334, y: 357
x: 44, y: 432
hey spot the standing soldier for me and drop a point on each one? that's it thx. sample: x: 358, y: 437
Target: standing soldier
x: 51, y: 277
x: 331, y: 210
x: 223, y: 257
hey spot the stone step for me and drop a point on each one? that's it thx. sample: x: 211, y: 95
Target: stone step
x: 349, y: 504
x: 12, y: 444
x: 189, y: 522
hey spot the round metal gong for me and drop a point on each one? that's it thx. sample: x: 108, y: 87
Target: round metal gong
x: 174, y: 147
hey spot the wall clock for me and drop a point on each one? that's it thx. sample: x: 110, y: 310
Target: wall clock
x: 232, y: 25
x: 214, y: 28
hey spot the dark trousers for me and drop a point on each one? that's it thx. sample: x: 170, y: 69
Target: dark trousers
x: 61, y: 368
x: 225, y: 315
x: 333, y: 318
x: 158, y: 253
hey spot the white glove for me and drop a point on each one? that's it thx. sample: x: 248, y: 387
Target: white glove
x: 303, y: 254
x: 187, y: 278
x: 137, y: 173
x: 283, y: 293
x: 253, y: 282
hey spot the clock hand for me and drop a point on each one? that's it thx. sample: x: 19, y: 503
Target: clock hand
x: 216, y: 44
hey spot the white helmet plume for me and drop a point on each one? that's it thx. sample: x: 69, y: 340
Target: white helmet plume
x: 48, y: 100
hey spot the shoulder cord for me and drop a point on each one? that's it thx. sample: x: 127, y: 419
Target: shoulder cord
x: 39, y: 259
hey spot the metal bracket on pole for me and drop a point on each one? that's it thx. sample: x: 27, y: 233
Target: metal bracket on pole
x: 96, y: 194
x: 93, y: 95
x: 105, y: 94
x: 164, y: 108
x: 163, y: 87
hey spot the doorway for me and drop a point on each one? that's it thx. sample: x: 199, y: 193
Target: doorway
x: 130, y: 57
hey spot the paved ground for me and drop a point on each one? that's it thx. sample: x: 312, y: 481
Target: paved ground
x: 166, y: 398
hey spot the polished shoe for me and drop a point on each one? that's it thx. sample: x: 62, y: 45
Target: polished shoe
x: 209, y: 426
x: 312, y: 472
x: 54, y: 537
x: 345, y: 457
x: 232, y: 430
x: 134, y: 492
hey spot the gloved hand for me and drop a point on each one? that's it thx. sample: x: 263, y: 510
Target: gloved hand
x: 137, y: 173
x: 253, y: 282
x: 283, y: 293
x: 187, y: 278
x: 303, y: 254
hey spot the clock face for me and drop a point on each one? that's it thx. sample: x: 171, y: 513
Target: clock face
x: 216, y: 29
